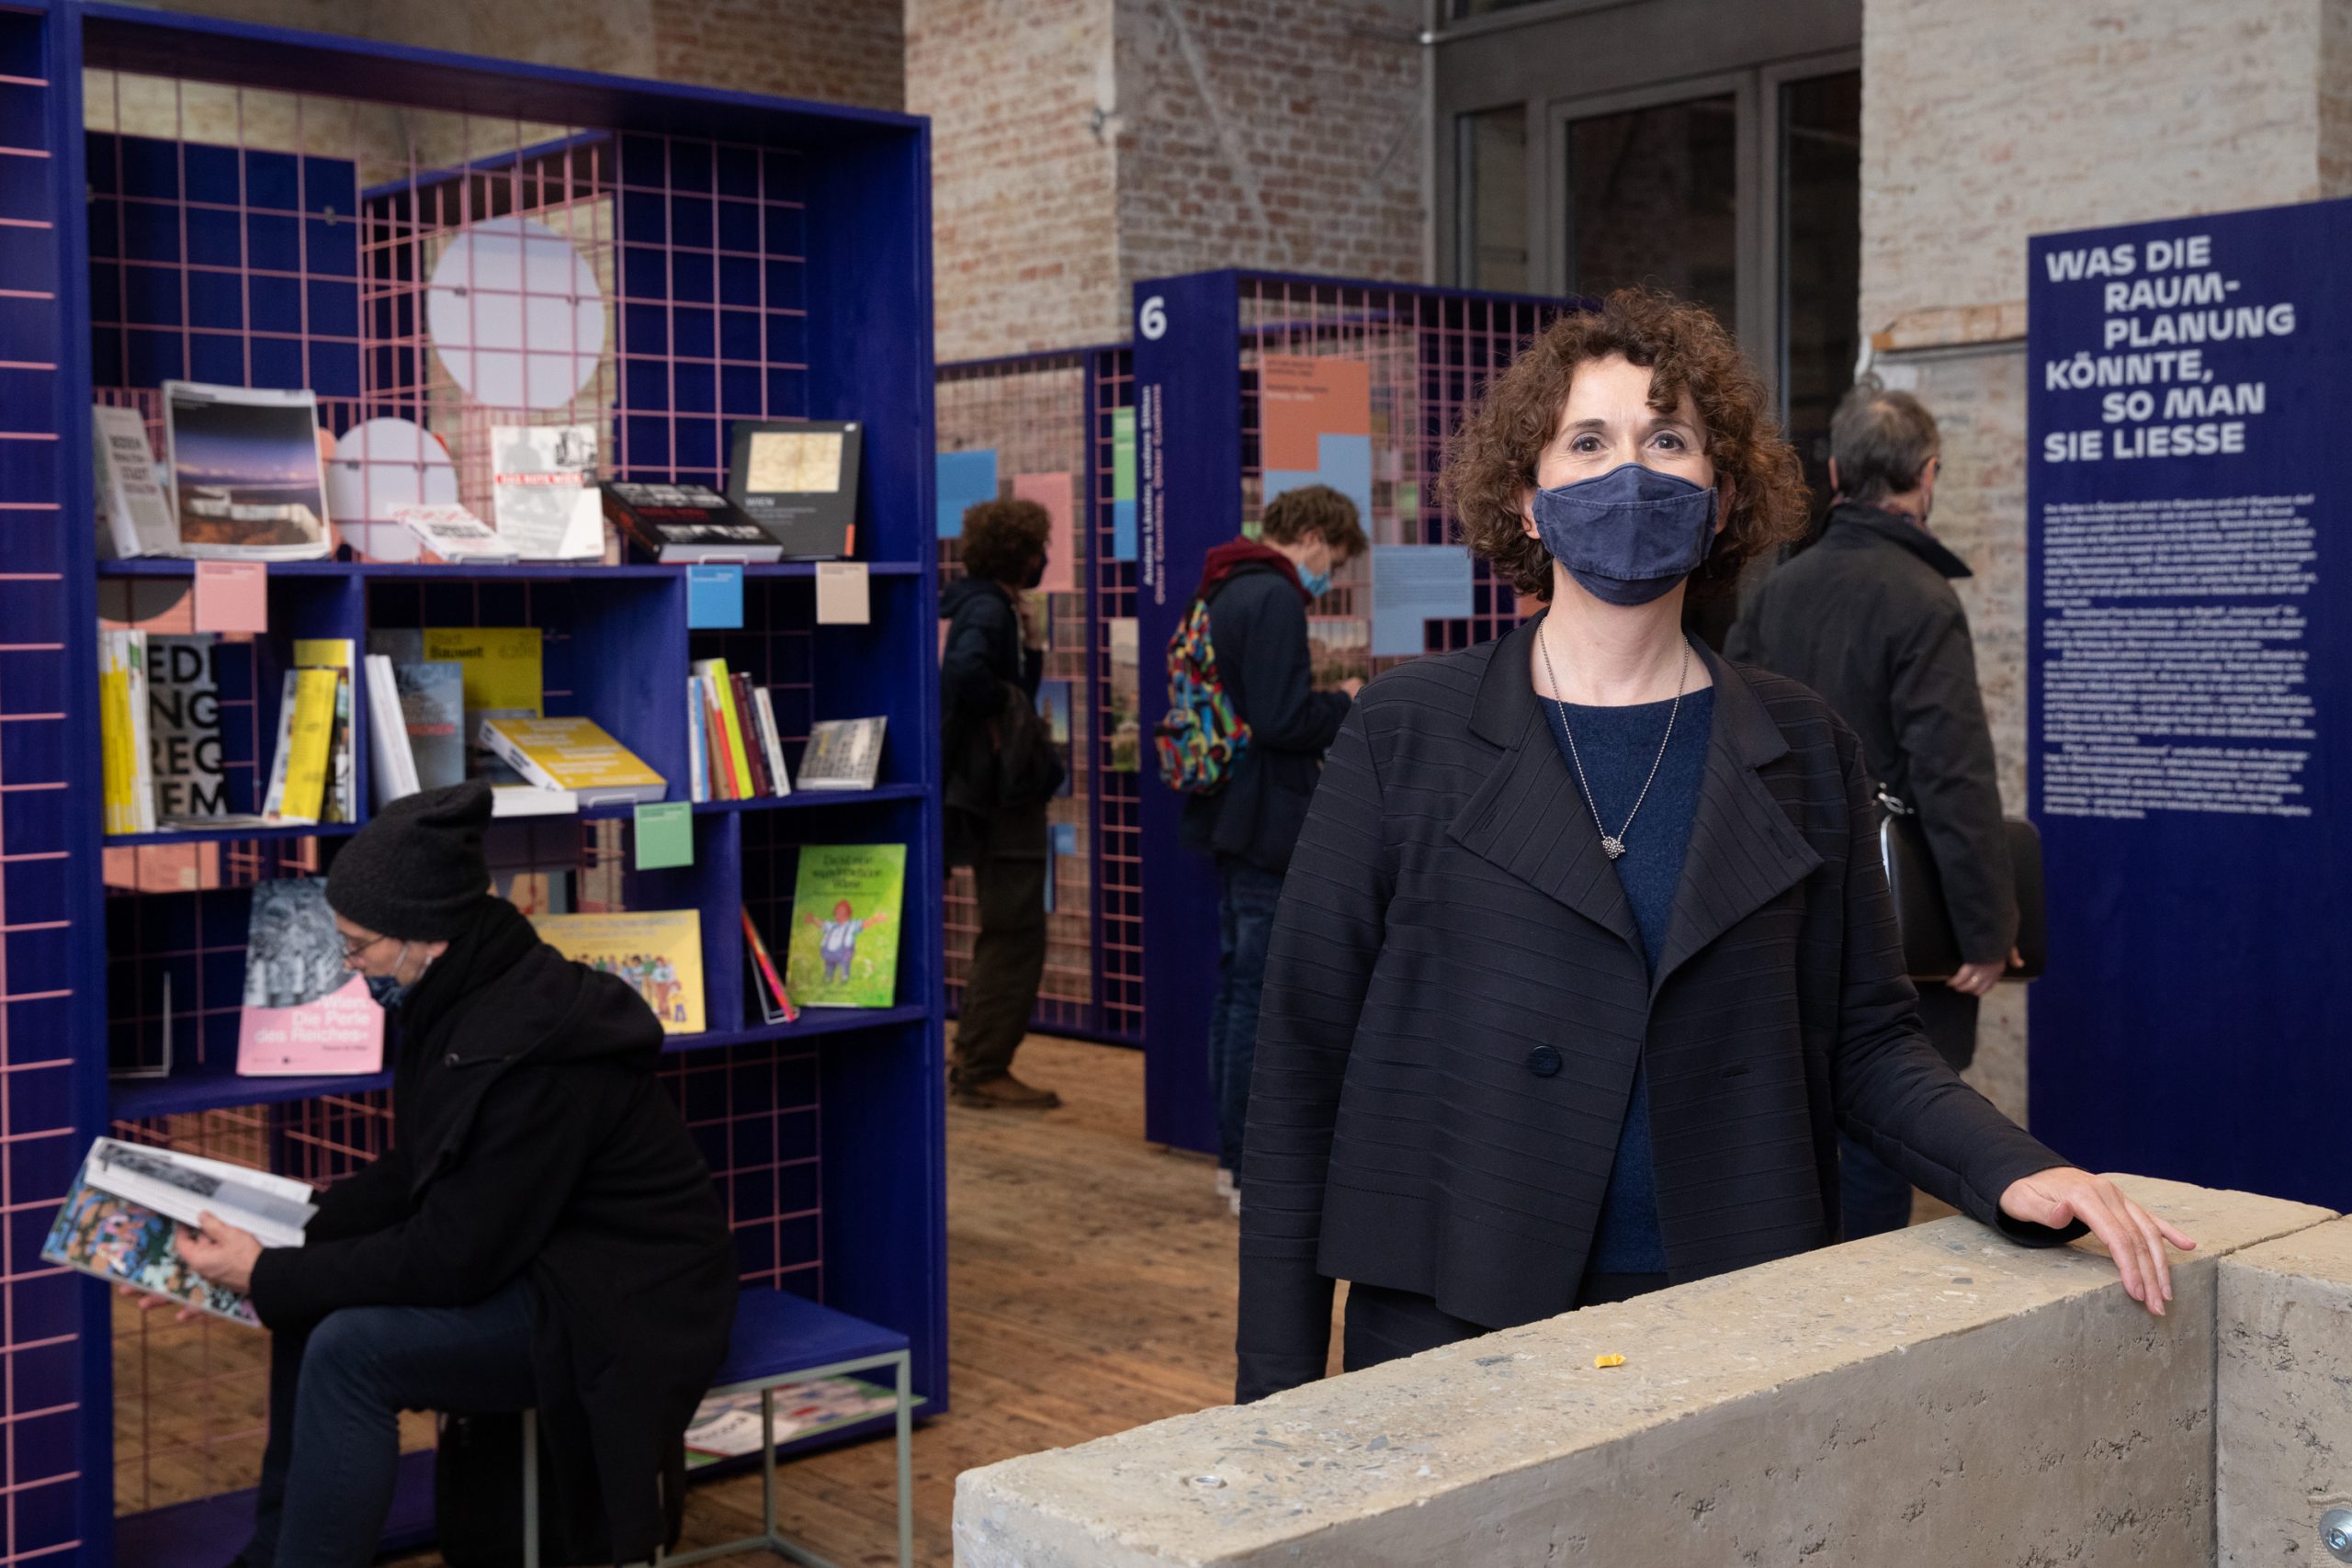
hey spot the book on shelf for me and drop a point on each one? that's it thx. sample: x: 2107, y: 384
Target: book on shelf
x: 183, y: 723
x: 573, y: 754
x: 845, y: 918
x: 246, y: 481
x: 335, y: 653
x: 726, y: 1425
x: 734, y: 749
x: 103, y: 1231
x: 798, y: 482
x: 500, y: 675
x: 767, y: 984
x: 754, y: 745
x: 391, y: 753
x: 773, y: 739
x: 543, y: 491
x: 134, y: 510
x: 298, y: 777
x: 305, y: 1013
x: 657, y: 952
x: 530, y: 800
x: 685, y: 523
x: 453, y: 536
x: 126, y: 758
x: 534, y: 891
x: 843, y: 753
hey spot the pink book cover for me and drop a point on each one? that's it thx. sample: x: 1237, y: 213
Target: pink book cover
x: 305, y: 1014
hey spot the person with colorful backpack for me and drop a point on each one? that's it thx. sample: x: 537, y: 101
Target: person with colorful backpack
x: 1243, y: 742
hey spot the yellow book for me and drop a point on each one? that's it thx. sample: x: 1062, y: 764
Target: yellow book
x: 307, y: 743
x: 658, y: 952
x: 118, y: 767
x: 575, y: 754
x: 502, y: 664
x: 724, y: 691
x: 328, y: 652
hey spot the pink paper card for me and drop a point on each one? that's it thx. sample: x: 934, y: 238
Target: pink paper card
x: 1052, y: 492
x: 341, y: 1033
x: 231, y: 597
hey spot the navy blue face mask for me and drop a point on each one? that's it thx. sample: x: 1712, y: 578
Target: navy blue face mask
x: 1629, y: 535
x: 386, y: 990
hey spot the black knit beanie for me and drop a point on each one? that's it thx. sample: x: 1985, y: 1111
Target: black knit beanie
x: 416, y: 869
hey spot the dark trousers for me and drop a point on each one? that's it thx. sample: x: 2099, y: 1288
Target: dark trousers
x: 335, y: 1396
x: 1388, y: 1325
x: 1247, y: 898
x: 1873, y: 1198
x: 1009, y: 954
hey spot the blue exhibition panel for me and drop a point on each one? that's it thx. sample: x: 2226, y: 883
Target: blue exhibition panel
x: 1420, y: 357
x: 195, y: 207
x: 2189, y: 651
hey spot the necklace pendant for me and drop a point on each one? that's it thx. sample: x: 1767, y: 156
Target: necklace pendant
x: 1610, y: 847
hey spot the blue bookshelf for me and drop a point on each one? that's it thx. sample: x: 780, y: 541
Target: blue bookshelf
x: 758, y: 258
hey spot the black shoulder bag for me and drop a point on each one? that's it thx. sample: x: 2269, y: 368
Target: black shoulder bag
x: 1930, y: 948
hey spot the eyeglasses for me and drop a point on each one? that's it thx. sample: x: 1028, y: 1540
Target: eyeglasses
x: 353, y: 948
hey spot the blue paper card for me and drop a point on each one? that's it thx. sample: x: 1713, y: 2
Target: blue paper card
x: 965, y: 479
x: 1345, y: 464
x: 1123, y: 530
x: 1412, y: 585
x: 713, y: 597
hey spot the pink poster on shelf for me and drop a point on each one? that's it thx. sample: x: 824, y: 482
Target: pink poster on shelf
x: 1053, y: 492
x: 340, y: 1033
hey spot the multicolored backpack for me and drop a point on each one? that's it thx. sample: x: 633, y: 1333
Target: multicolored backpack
x: 1202, y: 738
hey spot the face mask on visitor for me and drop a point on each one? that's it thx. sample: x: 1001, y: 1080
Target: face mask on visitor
x: 386, y: 990
x: 1316, y: 584
x: 1630, y: 535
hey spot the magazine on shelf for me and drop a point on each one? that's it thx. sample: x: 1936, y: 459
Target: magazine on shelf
x: 843, y: 753
x: 658, y: 952
x: 687, y: 522
x: 305, y: 1013
x: 726, y: 1425
x: 336, y: 654
x: 245, y: 477
x: 573, y: 754
x: 101, y: 1232
x: 798, y: 482
x: 845, y: 918
x: 453, y: 536
x: 543, y: 491
x: 184, y: 720
x: 134, y: 509
x: 499, y: 675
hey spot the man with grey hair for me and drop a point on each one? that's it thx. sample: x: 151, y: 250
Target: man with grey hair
x: 1867, y: 616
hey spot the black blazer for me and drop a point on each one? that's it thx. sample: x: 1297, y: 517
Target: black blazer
x: 1456, y: 995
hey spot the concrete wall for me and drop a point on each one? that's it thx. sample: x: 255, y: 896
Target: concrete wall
x: 1988, y: 122
x: 2285, y: 1388
x: 1936, y: 1395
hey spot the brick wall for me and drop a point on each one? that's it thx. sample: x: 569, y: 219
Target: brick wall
x: 1288, y: 137
x: 1987, y: 122
x: 1023, y: 171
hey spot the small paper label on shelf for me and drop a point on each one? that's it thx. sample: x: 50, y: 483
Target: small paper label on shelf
x: 843, y: 596
x: 231, y: 597
x: 714, y: 598
x: 665, y: 835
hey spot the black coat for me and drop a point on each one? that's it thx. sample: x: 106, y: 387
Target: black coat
x: 1456, y: 996
x: 1867, y: 618
x: 533, y: 1138
x: 983, y: 665
x: 1257, y: 626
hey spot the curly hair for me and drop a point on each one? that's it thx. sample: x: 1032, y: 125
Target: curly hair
x: 1001, y: 535
x: 1313, y: 509
x: 1491, y: 464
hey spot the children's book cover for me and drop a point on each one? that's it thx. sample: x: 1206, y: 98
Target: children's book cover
x: 845, y: 919
x: 658, y: 952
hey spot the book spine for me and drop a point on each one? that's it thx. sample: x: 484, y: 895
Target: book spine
x: 274, y: 802
x: 342, y: 763
x: 723, y: 759
x: 739, y: 763
x: 514, y: 757
x: 114, y: 732
x: 772, y: 739
x: 142, y: 756
x: 698, y: 776
x: 740, y: 687
x: 767, y: 968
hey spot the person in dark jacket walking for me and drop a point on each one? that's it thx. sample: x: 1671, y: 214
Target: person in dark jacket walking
x: 1585, y: 955
x: 1867, y: 618
x: 543, y: 1233
x: 1001, y: 773
x: 1258, y: 592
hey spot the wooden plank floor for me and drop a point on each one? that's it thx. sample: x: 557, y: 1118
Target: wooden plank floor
x: 1090, y: 1289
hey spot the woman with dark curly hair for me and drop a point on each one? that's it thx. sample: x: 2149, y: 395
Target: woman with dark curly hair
x: 1585, y: 956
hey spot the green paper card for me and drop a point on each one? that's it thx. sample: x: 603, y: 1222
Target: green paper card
x: 845, y: 919
x: 665, y: 834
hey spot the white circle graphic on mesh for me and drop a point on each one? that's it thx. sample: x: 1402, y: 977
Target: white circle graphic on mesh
x: 515, y: 315
x: 381, y: 464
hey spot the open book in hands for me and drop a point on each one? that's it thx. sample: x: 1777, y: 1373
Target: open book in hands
x: 120, y: 1219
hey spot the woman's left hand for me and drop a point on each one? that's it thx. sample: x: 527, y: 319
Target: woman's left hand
x: 221, y: 1252
x: 2136, y: 1238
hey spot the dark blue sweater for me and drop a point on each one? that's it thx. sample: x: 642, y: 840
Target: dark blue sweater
x: 1618, y: 746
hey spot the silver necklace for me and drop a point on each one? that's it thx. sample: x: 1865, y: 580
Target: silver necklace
x: 1614, y: 845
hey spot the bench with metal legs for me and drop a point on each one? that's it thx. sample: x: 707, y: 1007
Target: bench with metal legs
x: 778, y: 1338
